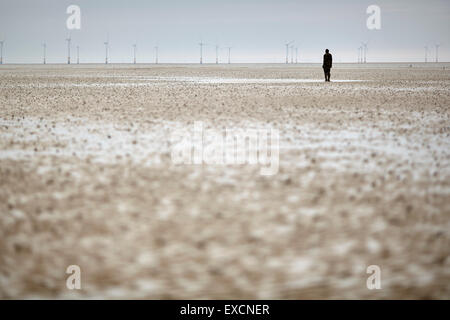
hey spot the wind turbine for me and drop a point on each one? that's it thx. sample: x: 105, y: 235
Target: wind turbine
x: 106, y: 43
x: 287, y: 51
x: 426, y: 54
x: 229, y: 54
x: 134, y: 53
x: 45, y: 51
x: 156, y: 54
x: 296, y: 55
x: 365, y: 50
x: 78, y: 54
x: 1, y: 51
x: 359, y: 54
x: 437, y: 52
x: 217, y: 54
x: 68, y: 49
x: 201, y: 44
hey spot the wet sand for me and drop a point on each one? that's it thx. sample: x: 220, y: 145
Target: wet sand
x: 87, y: 179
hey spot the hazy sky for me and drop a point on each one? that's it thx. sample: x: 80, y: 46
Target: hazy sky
x: 256, y: 29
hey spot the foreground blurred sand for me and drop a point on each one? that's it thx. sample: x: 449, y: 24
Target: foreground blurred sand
x: 87, y: 179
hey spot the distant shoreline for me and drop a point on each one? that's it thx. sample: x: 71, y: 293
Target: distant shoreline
x: 226, y: 64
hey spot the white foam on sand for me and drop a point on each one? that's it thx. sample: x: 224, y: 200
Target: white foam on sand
x: 135, y: 81
x: 338, y: 149
x: 216, y: 80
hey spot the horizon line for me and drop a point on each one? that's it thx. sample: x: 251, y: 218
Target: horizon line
x: 213, y: 63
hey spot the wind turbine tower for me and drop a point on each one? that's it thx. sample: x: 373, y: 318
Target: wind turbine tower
x: 217, y: 54
x: 287, y: 51
x: 156, y: 55
x: 296, y: 55
x: 78, y: 54
x: 106, y: 43
x: 1, y: 51
x: 201, y: 44
x: 134, y: 53
x: 437, y: 53
x: 364, y: 48
x: 45, y: 52
x: 426, y: 54
x: 68, y: 49
x: 229, y: 55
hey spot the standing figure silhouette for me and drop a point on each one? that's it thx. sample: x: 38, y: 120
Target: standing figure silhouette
x: 327, y: 64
